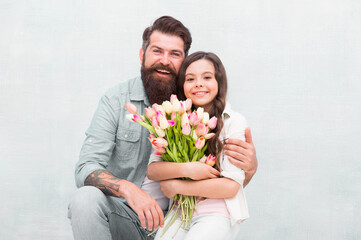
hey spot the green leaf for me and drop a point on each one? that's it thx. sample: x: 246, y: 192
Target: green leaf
x: 195, y: 156
x: 175, y: 153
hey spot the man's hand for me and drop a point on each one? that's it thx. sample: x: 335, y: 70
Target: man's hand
x: 243, y: 154
x: 144, y: 205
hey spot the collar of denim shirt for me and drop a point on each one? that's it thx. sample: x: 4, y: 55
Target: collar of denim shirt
x: 137, y: 92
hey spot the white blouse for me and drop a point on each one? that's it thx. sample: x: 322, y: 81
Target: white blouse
x: 234, y: 127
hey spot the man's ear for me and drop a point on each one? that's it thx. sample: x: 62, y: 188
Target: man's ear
x: 141, y: 55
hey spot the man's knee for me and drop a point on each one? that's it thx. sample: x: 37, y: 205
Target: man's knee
x: 87, y: 200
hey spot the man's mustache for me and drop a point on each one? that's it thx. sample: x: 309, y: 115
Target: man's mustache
x: 160, y: 66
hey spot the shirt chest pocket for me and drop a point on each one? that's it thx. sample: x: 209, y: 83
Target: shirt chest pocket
x: 127, y: 144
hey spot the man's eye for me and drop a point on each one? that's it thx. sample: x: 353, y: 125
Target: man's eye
x: 156, y: 51
x: 176, y: 54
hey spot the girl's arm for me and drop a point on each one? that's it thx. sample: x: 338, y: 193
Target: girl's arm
x: 209, y: 188
x: 158, y: 171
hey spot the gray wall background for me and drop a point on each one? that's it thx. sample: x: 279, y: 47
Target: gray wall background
x: 294, y: 71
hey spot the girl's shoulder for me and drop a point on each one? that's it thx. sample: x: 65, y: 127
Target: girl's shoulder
x: 233, y: 117
x: 234, y: 124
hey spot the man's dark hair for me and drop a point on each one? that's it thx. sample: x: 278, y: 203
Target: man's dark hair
x: 171, y: 26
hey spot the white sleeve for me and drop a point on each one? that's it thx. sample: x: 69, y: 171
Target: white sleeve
x: 154, y: 158
x: 234, y: 128
x: 237, y: 206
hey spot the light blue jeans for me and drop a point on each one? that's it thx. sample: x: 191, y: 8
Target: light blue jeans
x: 94, y: 215
x: 207, y: 226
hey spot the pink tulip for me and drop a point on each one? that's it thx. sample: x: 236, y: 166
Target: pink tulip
x: 173, y: 116
x: 135, y: 118
x: 129, y: 117
x: 159, y: 142
x: 186, y: 129
x: 160, y: 132
x: 151, y: 137
x: 209, y: 135
x: 200, y: 143
x: 163, y: 123
x: 188, y: 104
x: 182, y: 108
x: 158, y: 108
x: 201, y: 130
x: 160, y: 115
x: 171, y: 123
x: 173, y: 97
x: 167, y: 106
x: 158, y: 154
x: 200, y: 112
x: 193, y: 119
x: 212, y: 123
x: 131, y: 108
x: 150, y: 112
x: 155, y: 123
x: 184, y: 119
x: 176, y: 105
x: 161, y: 150
x: 211, y: 160
x: 205, y: 118
x: 163, y: 141
x: 155, y: 106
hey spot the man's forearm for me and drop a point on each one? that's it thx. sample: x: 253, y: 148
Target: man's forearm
x: 106, y: 182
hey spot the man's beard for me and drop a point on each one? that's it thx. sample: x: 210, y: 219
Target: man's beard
x: 158, y: 89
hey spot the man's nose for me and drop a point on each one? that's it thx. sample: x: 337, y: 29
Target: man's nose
x: 165, y: 59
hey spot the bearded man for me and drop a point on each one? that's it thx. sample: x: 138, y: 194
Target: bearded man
x: 115, y: 200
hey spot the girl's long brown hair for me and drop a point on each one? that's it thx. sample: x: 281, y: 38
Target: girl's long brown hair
x: 215, y: 145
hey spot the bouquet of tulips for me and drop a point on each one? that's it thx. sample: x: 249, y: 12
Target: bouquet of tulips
x: 178, y: 135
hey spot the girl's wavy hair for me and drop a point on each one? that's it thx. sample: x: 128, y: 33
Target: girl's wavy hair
x: 215, y: 145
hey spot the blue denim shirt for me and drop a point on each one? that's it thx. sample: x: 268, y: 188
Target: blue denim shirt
x: 114, y: 143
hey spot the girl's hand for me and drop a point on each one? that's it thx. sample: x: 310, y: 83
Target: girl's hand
x: 168, y: 187
x: 199, y: 171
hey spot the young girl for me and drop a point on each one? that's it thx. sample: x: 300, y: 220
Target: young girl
x: 221, y: 201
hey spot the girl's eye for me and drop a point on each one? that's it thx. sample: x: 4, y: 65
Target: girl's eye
x: 207, y: 77
x: 189, y: 79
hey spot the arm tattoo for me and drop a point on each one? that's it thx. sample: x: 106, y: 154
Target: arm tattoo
x: 103, y: 180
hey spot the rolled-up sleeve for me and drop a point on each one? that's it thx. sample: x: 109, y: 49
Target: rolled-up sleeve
x: 99, y: 142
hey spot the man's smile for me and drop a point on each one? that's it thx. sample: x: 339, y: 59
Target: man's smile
x: 162, y: 72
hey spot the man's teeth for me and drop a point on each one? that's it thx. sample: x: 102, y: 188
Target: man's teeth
x: 162, y: 71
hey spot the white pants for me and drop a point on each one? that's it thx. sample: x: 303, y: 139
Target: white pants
x: 207, y: 226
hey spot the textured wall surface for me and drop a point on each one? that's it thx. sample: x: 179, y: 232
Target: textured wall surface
x: 294, y: 72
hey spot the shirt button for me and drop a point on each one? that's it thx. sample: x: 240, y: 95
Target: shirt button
x: 126, y: 135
